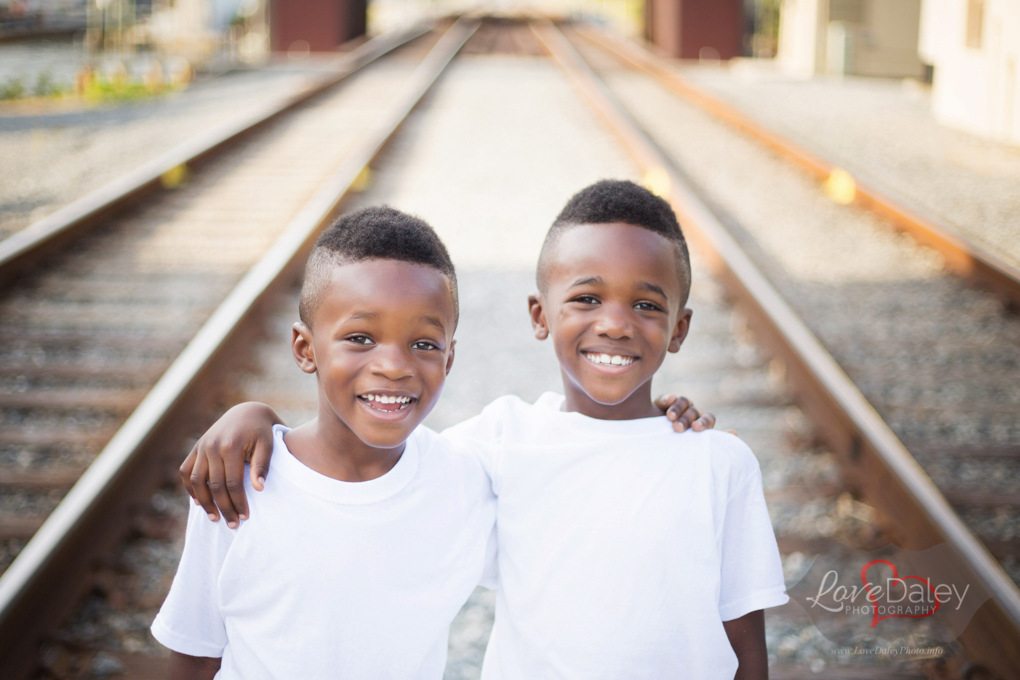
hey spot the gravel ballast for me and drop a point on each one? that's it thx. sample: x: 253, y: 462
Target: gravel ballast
x: 884, y: 131
x: 55, y: 154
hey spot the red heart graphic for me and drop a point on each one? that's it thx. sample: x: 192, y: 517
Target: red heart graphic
x: 875, y: 618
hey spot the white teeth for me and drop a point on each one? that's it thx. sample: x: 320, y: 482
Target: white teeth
x: 381, y: 399
x: 615, y: 360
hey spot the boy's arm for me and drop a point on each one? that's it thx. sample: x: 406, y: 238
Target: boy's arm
x: 751, y: 570
x: 190, y: 621
x: 213, y: 473
x: 184, y: 667
x: 747, y: 637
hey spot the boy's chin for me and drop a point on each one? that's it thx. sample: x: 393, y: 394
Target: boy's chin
x: 382, y: 437
x: 604, y: 396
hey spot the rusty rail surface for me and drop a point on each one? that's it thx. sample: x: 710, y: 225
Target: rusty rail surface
x: 51, y: 233
x: 878, y: 463
x: 963, y: 256
x: 42, y: 584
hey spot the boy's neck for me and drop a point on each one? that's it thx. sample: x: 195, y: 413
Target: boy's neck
x: 332, y: 449
x: 637, y: 405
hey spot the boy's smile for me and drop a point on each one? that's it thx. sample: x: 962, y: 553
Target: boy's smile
x: 387, y: 403
x: 612, y: 305
x: 381, y: 344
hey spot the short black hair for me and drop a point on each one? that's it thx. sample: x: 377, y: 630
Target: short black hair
x: 374, y: 233
x: 614, y: 200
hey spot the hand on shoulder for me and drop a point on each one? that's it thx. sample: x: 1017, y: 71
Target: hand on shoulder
x: 213, y: 473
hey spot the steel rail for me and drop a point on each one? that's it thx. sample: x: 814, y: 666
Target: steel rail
x: 50, y: 233
x: 41, y: 584
x: 963, y: 256
x: 878, y: 463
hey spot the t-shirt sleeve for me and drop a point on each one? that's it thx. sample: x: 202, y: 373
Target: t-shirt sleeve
x: 752, y: 571
x: 189, y: 622
x: 482, y: 435
x: 490, y: 574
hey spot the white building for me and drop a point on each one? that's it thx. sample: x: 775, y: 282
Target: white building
x: 850, y: 37
x: 974, y: 46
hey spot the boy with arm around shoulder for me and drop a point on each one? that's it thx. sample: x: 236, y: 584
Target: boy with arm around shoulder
x: 372, y: 531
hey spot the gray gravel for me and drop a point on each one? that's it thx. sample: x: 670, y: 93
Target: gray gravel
x: 51, y: 159
x: 884, y: 131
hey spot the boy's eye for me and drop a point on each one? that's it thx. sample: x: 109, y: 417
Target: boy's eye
x: 586, y: 299
x: 647, y: 307
x: 359, y: 339
x: 424, y: 345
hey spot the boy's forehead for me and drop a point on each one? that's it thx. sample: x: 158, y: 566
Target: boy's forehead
x: 388, y: 288
x: 617, y: 247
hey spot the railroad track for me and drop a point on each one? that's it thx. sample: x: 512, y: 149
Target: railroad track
x: 721, y: 364
x: 129, y: 319
x: 877, y: 463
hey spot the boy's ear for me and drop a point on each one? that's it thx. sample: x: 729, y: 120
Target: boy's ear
x: 301, y: 346
x: 537, y: 312
x: 449, y: 359
x: 683, y: 324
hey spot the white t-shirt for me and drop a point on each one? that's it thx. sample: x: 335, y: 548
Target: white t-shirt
x: 332, y: 579
x: 623, y: 545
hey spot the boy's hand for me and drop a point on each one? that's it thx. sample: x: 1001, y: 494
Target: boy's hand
x: 213, y: 473
x: 684, y: 414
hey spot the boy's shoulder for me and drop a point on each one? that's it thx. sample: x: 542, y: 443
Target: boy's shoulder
x: 726, y: 453
x: 511, y: 406
x: 489, y: 427
x: 444, y: 455
x: 726, y: 445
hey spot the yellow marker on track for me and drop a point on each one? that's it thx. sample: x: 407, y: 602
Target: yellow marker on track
x: 657, y: 181
x: 175, y: 176
x: 363, y: 181
x: 840, y: 187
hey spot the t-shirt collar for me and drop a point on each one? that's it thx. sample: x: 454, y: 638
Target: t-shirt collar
x: 550, y: 404
x: 346, y: 493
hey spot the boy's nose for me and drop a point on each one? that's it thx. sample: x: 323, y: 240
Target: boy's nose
x: 614, y: 323
x: 392, y: 363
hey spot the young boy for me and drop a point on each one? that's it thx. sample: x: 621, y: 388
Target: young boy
x: 371, y: 532
x: 620, y: 556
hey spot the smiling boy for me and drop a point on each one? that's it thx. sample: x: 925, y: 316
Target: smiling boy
x: 371, y: 532
x: 620, y: 556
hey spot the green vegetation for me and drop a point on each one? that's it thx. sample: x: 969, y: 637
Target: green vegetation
x: 45, y: 86
x: 118, y: 90
x: 14, y: 88
x: 766, y: 28
x: 92, y: 88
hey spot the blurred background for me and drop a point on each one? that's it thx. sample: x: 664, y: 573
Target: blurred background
x: 66, y: 57
x: 152, y: 152
x: 966, y: 49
